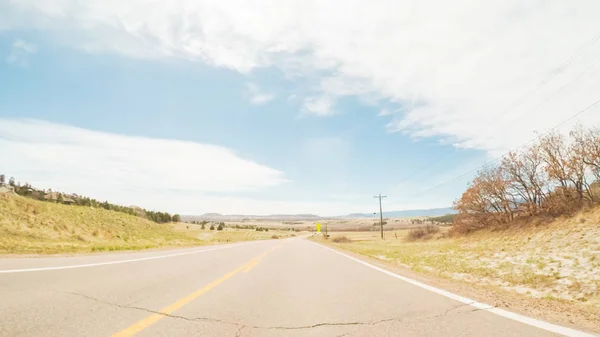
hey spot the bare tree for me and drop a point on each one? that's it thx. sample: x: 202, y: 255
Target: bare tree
x: 555, y: 156
x: 525, y: 176
x: 554, y: 176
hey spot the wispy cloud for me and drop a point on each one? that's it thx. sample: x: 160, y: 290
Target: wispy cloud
x: 19, y: 52
x: 476, y: 62
x: 125, y: 168
x: 256, y: 95
x: 384, y: 112
x: 318, y: 106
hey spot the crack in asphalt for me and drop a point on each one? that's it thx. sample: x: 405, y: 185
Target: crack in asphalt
x: 242, y: 326
x: 238, y: 333
x: 216, y: 320
x: 456, y: 307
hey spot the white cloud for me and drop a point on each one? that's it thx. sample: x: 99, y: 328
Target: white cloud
x: 162, y: 174
x: 467, y: 60
x: 19, y: 51
x: 256, y: 95
x: 125, y: 169
x: 384, y: 112
x: 318, y: 106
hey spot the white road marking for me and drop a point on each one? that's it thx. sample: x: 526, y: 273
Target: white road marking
x: 10, y: 271
x: 486, y: 307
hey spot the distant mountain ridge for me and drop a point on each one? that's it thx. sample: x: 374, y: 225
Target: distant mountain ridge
x: 313, y: 217
x: 241, y: 217
x: 405, y: 213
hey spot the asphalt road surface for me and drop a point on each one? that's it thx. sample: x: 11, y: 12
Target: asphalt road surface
x: 289, y: 287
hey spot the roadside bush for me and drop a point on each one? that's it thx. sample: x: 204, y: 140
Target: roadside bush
x: 275, y: 236
x: 432, y: 229
x: 556, y: 176
x: 341, y: 239
x: 423, y: 232
x: 416, y: 234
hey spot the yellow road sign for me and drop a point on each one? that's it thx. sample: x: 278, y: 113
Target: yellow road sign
x: 318, y: 227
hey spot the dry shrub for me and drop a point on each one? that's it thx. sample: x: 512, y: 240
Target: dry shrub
x: 275, y: 236
x: 416, y: 234
x: 562, y: 201
x: 432, y: 229
x: 341, y: 239
x: 423, y: 232
x: 466, y: 223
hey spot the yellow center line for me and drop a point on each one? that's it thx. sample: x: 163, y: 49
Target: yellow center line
x: 148, y: 321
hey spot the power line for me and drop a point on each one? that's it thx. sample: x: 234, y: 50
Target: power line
x: 554, y: 73
x: 522, y: 98
x: 520, y: 146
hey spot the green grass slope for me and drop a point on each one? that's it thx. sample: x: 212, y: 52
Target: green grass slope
x: 31, y: 226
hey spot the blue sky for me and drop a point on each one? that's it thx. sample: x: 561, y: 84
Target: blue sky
x: 300, y: 123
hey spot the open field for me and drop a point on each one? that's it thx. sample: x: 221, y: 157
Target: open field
x: 228, y: 234
x: 556, y: 261
x: 29, y: 226
x: 333, y: 225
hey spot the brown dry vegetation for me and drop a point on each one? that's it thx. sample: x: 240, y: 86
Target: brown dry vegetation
x: 556, y: 176
x: 341, y: 239
x: 422, y: 232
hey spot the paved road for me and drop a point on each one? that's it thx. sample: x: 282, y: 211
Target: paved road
x: 289, y: 287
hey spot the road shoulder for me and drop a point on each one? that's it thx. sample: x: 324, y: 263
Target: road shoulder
x: 553, y: 311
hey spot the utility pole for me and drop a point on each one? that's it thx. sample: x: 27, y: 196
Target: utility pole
x: 380, y: 213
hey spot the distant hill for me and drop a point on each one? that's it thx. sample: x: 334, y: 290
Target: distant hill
x: 311, y: 217
x: 405, y: 213
x: 242, y: 217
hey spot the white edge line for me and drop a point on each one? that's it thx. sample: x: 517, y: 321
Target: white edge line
x: 11, y: 271
x: 483, y: 306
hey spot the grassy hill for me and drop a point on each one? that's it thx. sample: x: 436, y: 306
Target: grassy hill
x: 29, y: 226
x: 32, y: 226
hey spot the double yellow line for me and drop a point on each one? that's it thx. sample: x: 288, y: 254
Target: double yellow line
x: 150, y: 320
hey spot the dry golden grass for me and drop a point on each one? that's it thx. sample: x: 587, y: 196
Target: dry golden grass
x: 558, y: 260
x: 227, y: 234
x: 29, y: 226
